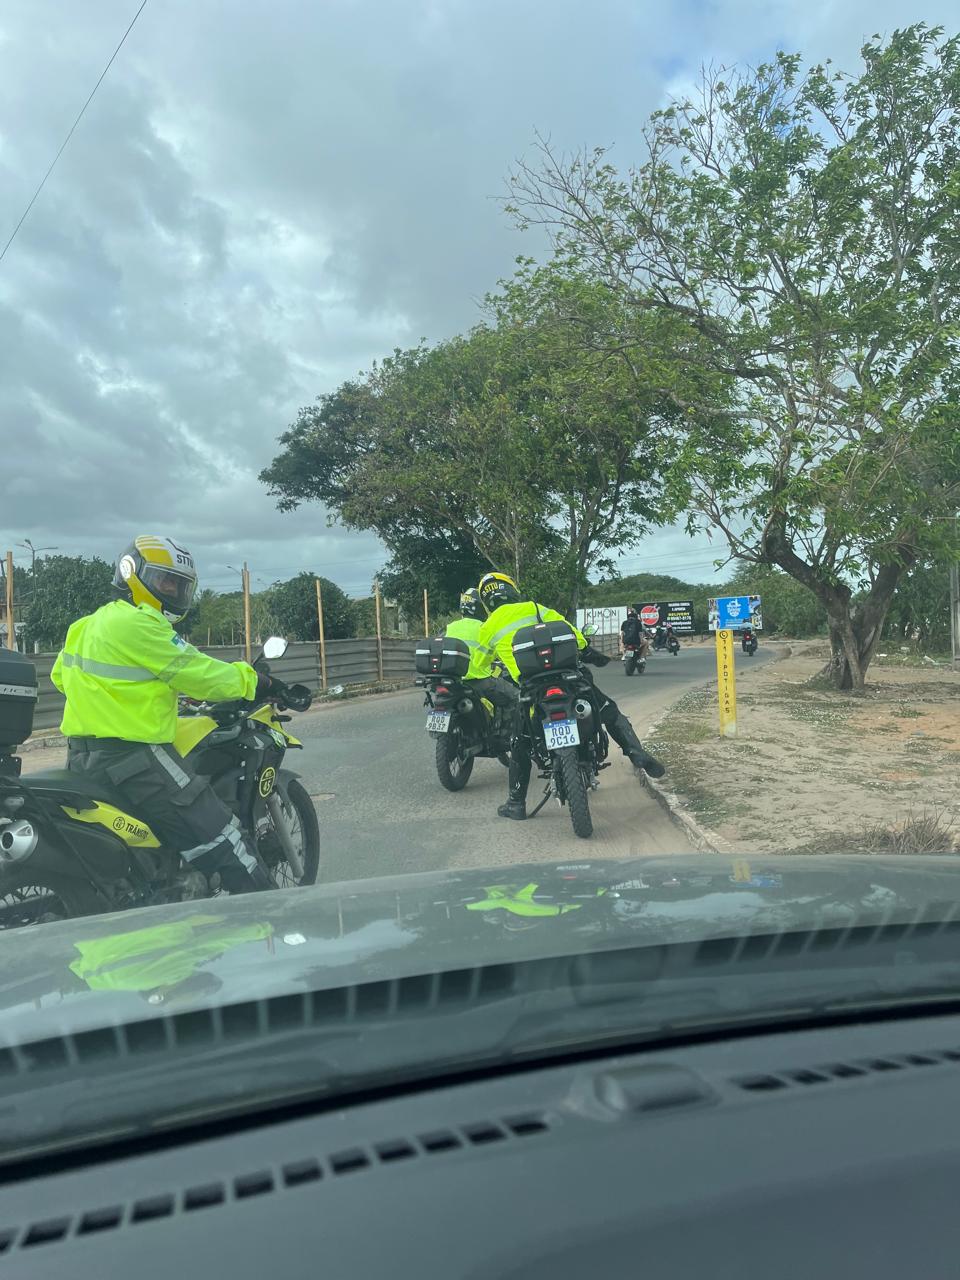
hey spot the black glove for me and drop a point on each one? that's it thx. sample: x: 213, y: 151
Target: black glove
x: 264, y: 686
x: 594, y: 656
x: 296, y: 697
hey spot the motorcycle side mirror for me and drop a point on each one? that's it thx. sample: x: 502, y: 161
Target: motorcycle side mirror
x: 274, y: 647
x: 590, y: 629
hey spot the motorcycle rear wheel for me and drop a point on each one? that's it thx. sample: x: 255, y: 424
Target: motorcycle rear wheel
x: 453, y: 767
x: 630, y: 665
x: 575, y: 792
x: 38, y: 897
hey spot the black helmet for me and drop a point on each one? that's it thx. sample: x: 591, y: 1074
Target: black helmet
x: 631, y: 610
x: 471, y: 606
x: 496, y: 589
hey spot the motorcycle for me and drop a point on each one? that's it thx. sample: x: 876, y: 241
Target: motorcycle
x: 634, y: 659
x: 560, y: 719
x: 748, y: 642
x: 673, y: 644
x: 659, y: 639
x: 69, y: 847
x: 463, y: 724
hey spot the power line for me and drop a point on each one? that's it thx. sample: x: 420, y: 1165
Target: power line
x: 63, y: 145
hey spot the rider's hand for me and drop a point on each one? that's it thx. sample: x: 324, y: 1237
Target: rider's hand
x: 594, y: 656
x: 264, y: 685
x: 297, y: 697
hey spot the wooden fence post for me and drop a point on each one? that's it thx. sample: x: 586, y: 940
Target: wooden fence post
x: 426, y: 613
x: 376, y: 603
x: 11, y: 627
x: 246, y: 611
x: 323, y: 641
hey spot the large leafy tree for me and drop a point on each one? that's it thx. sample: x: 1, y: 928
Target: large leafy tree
x: 524, y: 444
x: 66, y: 588
x: 291, y: 608
x: 806, y: 225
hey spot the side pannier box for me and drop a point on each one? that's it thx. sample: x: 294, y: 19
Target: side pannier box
x: 18, y: 698
x: 548, y: 646
x: 443, y: 656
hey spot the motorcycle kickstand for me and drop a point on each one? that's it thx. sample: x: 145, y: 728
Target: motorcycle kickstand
x: 546, y: 796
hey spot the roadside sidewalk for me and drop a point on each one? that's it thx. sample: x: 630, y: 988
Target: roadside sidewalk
x: 814, y: 771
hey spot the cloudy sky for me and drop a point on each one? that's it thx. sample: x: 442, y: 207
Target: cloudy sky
x: 261, y: 199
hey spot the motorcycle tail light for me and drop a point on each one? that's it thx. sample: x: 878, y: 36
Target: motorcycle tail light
x: 442, y: 688
x: 558, y: 715
x: 554, y: 693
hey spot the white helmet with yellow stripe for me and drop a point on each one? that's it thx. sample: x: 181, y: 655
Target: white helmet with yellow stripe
x: 158, y: 572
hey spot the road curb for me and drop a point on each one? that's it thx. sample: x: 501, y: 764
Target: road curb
x: 705, y: 838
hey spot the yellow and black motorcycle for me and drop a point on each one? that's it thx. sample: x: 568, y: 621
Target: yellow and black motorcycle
x: 67, y: 848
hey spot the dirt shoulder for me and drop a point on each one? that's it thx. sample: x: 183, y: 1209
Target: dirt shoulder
x: 815, y: 771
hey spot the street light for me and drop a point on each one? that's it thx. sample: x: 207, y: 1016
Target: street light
x: 34, y: 552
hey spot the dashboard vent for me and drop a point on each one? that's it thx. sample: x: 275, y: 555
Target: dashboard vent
x: 836, y: 1072
x: 227, y: 1025
x: 267, y: 1181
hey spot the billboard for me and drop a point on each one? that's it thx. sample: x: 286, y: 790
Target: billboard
x: 735, y: 613
x: 608, y: 618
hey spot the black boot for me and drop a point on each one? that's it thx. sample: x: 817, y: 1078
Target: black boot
x: 519, y: 780
x: 623, y: 734
x: 516, y: 809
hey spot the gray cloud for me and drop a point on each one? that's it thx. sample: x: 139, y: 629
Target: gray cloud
x: 261, y: 200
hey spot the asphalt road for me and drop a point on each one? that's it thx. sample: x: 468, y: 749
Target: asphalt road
x: 369, y: 765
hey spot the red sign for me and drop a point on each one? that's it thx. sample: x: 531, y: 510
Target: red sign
x: 649, y: 615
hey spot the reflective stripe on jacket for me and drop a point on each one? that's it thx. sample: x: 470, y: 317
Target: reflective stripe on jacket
x: 122, y: 667
x: 468, y: 630
x: 496, y: 634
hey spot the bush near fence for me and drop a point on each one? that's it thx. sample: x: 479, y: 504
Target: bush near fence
x: 348, y: 662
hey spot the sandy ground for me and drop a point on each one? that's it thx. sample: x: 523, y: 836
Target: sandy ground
x: 812, y: 769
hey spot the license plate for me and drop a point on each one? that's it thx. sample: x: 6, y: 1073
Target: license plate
x: 438, y: 721
x: 561, y: 733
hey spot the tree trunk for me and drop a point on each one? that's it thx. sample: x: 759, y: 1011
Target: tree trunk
x: 855, y: 631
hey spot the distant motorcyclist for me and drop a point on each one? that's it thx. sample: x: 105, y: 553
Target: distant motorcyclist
x: 121, y: 670
x: 507, y: 612
x: 632, y: 632
x: 480, y: 674
x: 660, y: 636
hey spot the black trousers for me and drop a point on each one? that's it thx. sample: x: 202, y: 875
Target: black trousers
x: 181, y: 807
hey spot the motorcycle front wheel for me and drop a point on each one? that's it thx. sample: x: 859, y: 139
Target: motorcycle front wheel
x: 37, y: 897
x: 453, y: 766
x: 575, y: 791
x: 304, y: 830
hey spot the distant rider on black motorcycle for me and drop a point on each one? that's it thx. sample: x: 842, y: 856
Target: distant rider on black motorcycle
x: 633, y: 633
x: 121, y: 670
x: 507, y: 612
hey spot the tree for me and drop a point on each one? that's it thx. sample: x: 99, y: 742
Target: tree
x: 805, y: 227
x: 921, y: 607
x: 292, y: 606
x: 788, y: 606
x: 66, y: 588
x: 443, y: 563
x: 524, y: 441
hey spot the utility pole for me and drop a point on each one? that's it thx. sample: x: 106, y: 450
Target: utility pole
x: 955, y: 611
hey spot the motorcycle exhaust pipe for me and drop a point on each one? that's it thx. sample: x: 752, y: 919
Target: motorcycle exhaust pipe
x: 582, y: 708
x: 17, y: 841
x: 465, y: 705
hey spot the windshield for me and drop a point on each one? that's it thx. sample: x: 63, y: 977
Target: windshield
x: 559, y: 407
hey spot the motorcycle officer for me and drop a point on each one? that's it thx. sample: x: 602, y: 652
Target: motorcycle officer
x: 121, y: 670
x: 480, y: 674
x: 507, y: 612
